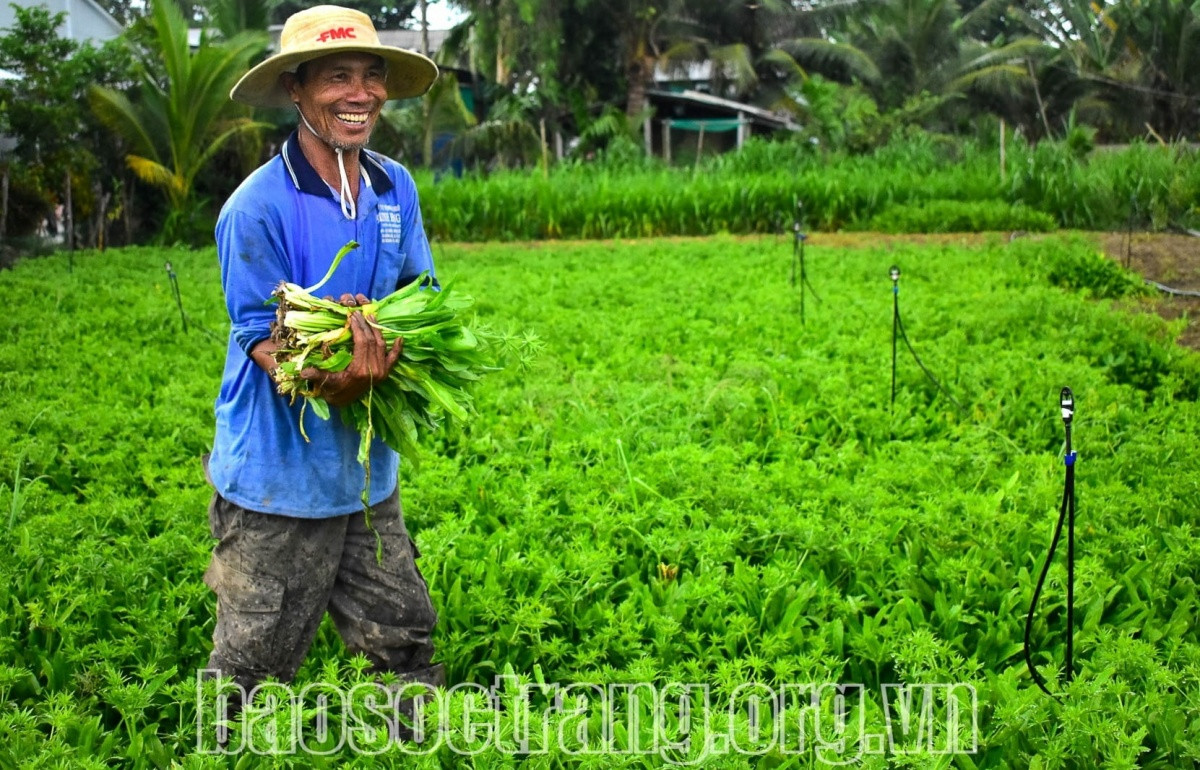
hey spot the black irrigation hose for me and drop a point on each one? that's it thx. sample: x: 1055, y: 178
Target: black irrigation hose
x: 898, y: 331
x: 804, y: 272
x: 798, y: 262
x: 795, y: 252
x: 1129, y: 231
x: 1066, y: 513
x: 183, y: 316
x: 178, y: 299
x: 1170, y: 290
x: 928, y: 373
x: 1129, y: 249
x: 895, y: 273
x: 799, y: 238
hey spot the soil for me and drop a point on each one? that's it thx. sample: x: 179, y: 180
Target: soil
x: 1172, y: 260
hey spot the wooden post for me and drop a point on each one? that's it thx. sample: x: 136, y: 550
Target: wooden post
x: 558, y: 144
x: 699, y: 149
x: 741, y: 130
x: 1002, y: 165
x: 647, y: 136
x: 545, y: 149
x: 666, y: 132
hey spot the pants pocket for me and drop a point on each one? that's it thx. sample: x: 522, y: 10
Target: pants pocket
x: 222, y: 516
x: 249, y: 609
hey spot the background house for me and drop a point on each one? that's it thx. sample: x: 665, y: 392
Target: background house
x: 85, y: 21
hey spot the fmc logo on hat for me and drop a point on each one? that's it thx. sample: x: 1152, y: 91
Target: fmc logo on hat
x: 340, y: 33
x: 323, y: 30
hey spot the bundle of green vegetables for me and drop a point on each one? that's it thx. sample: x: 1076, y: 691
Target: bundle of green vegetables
x: 443, y: 355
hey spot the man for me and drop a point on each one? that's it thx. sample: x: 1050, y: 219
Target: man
x: 293, y: 541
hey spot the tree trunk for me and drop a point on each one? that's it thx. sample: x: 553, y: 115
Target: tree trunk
x: 545, y: 150
x: 1003, y: 165
x: 1038, y: 94
x: 640, y: 72
x: 424, y: 29
x: 503, y: 33
x: 96, y: 234
x: 4, y: 206
x: 426, y: 104
x: 69, y: 216
x: 127, y: 209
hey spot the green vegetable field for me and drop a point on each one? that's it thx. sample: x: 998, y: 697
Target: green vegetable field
x: 687, y: 486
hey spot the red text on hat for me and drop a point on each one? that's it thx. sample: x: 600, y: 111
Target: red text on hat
x: 337, y: 33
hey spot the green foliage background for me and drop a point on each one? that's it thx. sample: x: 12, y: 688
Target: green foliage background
x: 679, y: 415
x: 917, y: 184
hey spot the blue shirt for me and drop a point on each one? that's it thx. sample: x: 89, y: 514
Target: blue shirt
x: 284, y: 223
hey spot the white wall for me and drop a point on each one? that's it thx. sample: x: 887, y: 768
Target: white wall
x: 85, y: 19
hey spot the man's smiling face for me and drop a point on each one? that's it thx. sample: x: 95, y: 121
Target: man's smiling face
x: 340, y: 95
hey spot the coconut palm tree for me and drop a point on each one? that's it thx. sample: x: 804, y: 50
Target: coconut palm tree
x: 182, y: 115
x: 1163, y: 36
x: 926, y: 52
x: 741, y: 41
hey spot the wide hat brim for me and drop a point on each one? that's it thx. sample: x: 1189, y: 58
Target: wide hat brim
x: 409, y: 73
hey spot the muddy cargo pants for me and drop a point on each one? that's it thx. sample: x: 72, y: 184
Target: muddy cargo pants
x: 275, y: 576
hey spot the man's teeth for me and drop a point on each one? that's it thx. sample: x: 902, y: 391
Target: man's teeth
x: 352, y: 117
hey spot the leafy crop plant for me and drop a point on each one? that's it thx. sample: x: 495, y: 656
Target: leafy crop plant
x: 685, y: 487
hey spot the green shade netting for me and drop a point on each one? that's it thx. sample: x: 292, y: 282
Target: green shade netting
x: 710, y: 125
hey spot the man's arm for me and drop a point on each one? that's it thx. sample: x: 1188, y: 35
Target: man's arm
x: 253, y: 261
x: 261, y: 355
x: 370, y: 363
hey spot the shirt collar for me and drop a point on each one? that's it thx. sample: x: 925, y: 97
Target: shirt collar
x: 306, y: 178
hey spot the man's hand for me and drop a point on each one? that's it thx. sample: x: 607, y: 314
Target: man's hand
x: 349, y: 300
x: 370, y: 364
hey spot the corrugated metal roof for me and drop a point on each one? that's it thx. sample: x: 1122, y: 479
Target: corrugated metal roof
x: 775, y: 119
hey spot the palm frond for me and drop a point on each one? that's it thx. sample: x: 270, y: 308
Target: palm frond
x: 234, y: 128
x: 980, y: 16
x: 1003, y: 79
x: 782, y: 60
x: 116, y: 112
x: 503, y: 140
x: 447, y: 110
x: 732, y: 64
x: 837, y: 61
x: 155, y: 173
x: 987, y: 56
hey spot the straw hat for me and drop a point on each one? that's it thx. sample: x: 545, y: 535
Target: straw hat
x: 326, y: 29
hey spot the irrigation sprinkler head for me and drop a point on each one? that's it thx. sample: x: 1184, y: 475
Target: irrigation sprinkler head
x: 167, y: 265
x: 894, y: 273
x: 1067, y: 402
